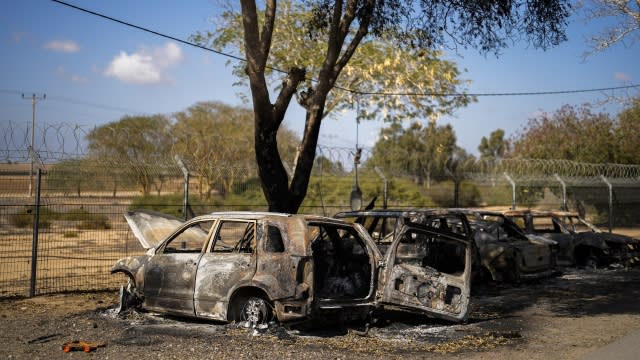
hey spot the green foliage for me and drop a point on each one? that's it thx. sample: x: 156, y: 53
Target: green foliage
x: 139, y: 142
x: 421, y: 152
x: 494, y: 147
x: 379, y: 65
x: 580, y: 135
x: 217, y: 142
x: 24, y: 218
x: 85, y: 220
x: 627, y: 134
x: 571, y: 134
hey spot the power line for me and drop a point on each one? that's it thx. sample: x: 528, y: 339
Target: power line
x: 357, y: 92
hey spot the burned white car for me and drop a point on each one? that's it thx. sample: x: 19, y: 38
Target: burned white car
x: 257, y: 267
x: 501, y: 251
x: 580, y: 243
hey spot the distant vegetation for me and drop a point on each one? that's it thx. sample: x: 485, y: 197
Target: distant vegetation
x: 84, y: 220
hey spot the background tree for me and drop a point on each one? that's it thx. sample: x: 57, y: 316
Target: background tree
x: 216, y: 140
x: 140, y: 142
x: 494, y: 147
x: 417, y: 151
x: 627, y: 134
x: 342, y: 26
x: 570, y: 133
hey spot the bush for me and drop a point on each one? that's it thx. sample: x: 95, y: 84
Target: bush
x: 24, y: 218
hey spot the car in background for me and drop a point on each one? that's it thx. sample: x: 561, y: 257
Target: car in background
x: 255, y: 267
x: 580, y: 243
x: 501, y: 251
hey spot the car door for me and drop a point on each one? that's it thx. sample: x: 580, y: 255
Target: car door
x: 428, y: 271
x: 170, y: 274
x: 229, y: 262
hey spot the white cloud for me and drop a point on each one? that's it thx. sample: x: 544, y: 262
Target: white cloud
x: 145, y: 66
x: 67, y: 46
x: 621, y: 76
x: 62, y: 72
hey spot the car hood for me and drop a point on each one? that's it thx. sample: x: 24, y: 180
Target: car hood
x: 151, y: 227
x: 609, y: 238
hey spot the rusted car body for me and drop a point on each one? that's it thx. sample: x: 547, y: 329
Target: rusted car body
x: 506, y: 252
x: 580, y: 243
x: 501, y: 251
x: 256, y: 267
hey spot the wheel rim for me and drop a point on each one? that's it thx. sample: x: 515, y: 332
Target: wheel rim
x: 255, y: 312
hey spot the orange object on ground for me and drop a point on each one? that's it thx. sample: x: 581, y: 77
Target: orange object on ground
x: 86, y: 346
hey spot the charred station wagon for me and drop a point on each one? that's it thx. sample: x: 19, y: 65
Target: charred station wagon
x: 256, y: 267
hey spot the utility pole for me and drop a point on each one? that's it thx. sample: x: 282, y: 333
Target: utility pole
x: 32, y: 150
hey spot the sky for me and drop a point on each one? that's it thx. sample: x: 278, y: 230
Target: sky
x: 94, y: 71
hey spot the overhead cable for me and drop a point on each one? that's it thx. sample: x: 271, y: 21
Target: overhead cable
x: 357, y: 92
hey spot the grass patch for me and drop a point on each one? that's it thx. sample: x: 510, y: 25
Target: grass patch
x: 86, y: 220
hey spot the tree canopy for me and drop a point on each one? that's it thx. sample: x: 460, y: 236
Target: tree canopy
x: 342, y: 27
x: 571, y: 133
x: 493, y: 147
x: 417, y: 151
x: 139, y: 141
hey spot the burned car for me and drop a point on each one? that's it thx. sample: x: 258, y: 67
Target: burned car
x: 506, y: 252
x: 580, y: 243
x: 501, y: 251
x: 257, y: 267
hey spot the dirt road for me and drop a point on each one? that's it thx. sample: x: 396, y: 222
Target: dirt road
x: 565, y: 317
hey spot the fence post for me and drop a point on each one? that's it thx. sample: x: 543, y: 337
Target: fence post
x: 610, y: 201
x: 385, y: 188
x: 185, y: 200
x: 34, y: 241
x: 564, y: 192
x: 513, y: 190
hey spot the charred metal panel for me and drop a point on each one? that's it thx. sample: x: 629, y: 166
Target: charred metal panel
x: 169, y: 282
x: 218, y: 275
x: 132, y: 266
x: 150, y: 228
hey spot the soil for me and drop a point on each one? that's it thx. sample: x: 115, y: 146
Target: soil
x: 563, y: 317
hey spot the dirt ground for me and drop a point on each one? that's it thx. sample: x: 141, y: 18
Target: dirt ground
x: 564, y: 317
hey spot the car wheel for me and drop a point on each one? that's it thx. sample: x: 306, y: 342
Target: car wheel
x: 255, y: 312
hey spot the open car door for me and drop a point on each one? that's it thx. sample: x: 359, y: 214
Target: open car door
x: 428, y: 270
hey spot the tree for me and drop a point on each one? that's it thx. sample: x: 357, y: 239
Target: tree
x: 377, y: 66
x: 625, y: 27
x: 421, y: 152
x: 216, y: 141
x: 571, y: 134
x: 494, y: 147
x: 342, y: 26
x: 627, y: 134
x: 140, y: 142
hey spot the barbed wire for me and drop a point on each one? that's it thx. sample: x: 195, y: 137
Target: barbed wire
x: 63, y: 141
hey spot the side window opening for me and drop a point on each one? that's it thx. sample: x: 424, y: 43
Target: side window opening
x: 235, y: 236
x: 274, y: 241
x: 342, y: 269
x: 191, y: 240
x: 426, y: 250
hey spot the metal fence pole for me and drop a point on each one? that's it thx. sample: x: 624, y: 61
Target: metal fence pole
x: 34, y: 242
x: 185, y: 200
x: 564, y: 192
x: 610, y: 201
x: 513, y: 190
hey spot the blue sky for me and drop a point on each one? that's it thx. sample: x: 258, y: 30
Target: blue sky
x: 94, y: 71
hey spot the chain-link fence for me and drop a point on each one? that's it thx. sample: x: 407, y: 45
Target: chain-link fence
x: 61, y: 210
